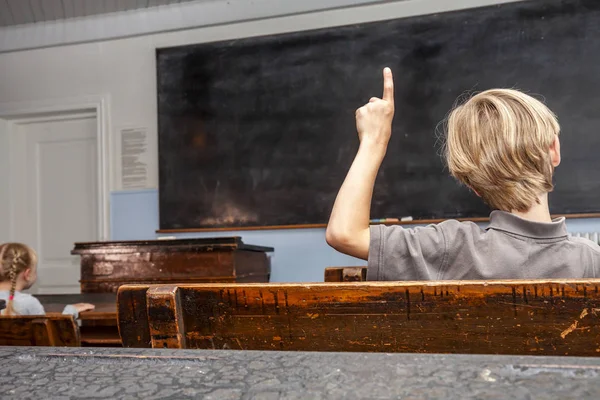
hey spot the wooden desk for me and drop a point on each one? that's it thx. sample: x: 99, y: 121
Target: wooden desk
x: 38, y: 373
x: 98, y: 327
x: 107, y: 265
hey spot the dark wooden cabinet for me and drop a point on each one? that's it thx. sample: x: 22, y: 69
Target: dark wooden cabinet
x: 107, y: 265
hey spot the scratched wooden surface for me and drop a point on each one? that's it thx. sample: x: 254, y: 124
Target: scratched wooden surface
x: 107, y: 265
x: 495, y: 317
x: 345, y: 274
x: 132, y: 314
x: 39, y: 330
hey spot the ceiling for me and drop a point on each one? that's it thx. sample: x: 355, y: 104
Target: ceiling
x: 19, y: 12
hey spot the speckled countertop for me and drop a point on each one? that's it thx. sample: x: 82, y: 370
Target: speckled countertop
x: 78, y: 373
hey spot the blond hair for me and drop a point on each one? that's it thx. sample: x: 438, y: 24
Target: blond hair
x: 14, y: 259
x: 498, y: 144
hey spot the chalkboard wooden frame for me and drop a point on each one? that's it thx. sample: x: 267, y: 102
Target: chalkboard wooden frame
x: 312, y: 226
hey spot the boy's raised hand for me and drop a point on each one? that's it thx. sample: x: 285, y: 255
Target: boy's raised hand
x: 374, y: 119
x: 348, y: 228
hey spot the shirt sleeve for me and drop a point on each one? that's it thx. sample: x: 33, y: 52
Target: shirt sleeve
x: 593, y: 266
x: 34, y: 307
x: 396, y: 253
x: 70, y: 309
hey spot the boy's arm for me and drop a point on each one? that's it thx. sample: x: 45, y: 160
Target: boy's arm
x: 348, y: 228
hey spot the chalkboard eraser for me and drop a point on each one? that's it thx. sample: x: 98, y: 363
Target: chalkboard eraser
x: 166, y: 237
x: 406, y: 219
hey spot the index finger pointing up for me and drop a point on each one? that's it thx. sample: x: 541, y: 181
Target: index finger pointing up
x: 388, y: 85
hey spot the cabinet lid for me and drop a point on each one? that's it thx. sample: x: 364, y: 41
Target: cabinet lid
x: 197, y: 244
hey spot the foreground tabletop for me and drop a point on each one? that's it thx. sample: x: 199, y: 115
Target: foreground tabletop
x: 61, y: 373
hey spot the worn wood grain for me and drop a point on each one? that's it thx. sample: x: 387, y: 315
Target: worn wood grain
x: 134, y: 328
x: 98, y: 327
x: 39, y: 330
x: 42, y: 332
x: 345, y: 274
x: 542, y: 317
x: 166, y: 324
x: 107, y: 265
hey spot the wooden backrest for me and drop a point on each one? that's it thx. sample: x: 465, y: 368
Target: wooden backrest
x: 345, y: 274
x: 539, y: 317
x: 132, y: 316
x: 39, y: 330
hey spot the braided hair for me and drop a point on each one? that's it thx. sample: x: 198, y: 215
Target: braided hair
x: 15, y: 258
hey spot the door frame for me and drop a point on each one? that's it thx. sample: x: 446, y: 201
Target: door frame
x: 55, y: 109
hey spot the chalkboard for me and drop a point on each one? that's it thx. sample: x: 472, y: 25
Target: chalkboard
x: 261, y: 131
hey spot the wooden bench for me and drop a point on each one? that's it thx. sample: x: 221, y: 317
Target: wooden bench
x: 345, y: 274
x: 98, y: 328
x: 543, y: 317
x: 39, y: 330
x: 132, y: 316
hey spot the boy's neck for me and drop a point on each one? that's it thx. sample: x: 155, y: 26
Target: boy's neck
x: 538, y: 212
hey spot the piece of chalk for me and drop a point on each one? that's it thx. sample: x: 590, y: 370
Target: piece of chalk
x: 406, y: 219
x: 167, y: 237
x: 384, y: 220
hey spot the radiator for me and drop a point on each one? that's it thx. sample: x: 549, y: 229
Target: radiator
x: 593, y: 236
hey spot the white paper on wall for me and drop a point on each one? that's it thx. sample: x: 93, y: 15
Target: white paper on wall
x: 134, y: 158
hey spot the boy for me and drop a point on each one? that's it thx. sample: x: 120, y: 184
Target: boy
x: 503, y: 145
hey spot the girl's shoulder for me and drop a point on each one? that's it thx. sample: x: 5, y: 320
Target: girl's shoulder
x: 24, y: 303
x: 4, y: 294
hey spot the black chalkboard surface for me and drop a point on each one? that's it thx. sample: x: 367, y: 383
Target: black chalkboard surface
x: 261, y: 131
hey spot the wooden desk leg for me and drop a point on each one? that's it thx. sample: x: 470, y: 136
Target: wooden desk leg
x: 164, y: 317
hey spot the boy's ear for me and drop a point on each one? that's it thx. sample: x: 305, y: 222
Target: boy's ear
x: 555, y: 152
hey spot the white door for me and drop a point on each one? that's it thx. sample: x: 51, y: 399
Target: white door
x: 54, y: 196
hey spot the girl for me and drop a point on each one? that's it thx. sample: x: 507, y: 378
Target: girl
x: 18, y: 271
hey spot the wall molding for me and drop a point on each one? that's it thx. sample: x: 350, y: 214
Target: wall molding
x: 44, y: 110
x: 182, y: 16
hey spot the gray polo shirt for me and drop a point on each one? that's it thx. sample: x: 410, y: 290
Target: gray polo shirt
x: 509, y: 248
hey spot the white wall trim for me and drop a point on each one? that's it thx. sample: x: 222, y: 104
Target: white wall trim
x: 192, y: 15
x: 57, y: 117
x: 20, y: 112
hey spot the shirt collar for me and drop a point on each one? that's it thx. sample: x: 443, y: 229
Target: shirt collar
x: 507, y: 222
